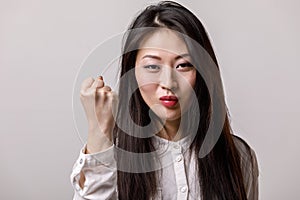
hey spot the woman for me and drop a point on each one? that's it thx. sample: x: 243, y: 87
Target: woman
x: 163, y: 142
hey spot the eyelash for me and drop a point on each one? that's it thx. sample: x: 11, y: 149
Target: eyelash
x: 187, y: 64
x: 151, y: 67
x: 156, y: 67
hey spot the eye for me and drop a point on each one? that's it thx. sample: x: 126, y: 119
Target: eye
x: 152, y: 67
x: 184, y: 66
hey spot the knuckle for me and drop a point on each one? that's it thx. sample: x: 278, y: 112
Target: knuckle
x: 100, y: 91
x: 107, y: 88
x: 90, y: 92
x: 82, y: 93
x: 88, y: 80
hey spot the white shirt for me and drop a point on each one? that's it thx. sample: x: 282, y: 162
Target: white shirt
x: 101, y: 173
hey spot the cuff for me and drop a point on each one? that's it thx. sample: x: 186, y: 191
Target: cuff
x: 101, y: 161
x: 105, y: 157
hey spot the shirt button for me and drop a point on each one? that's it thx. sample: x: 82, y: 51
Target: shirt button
x: 183, y: 189
x: 176, y: 146
x: 81, y: 161
x: 179, y: 158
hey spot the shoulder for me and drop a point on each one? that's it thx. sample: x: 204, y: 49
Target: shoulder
x: 248, y: 156
x: 249, y: 167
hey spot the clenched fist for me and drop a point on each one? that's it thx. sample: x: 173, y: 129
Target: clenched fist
x: 98, y: 101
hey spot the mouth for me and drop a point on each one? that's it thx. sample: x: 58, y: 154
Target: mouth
x: 169, y: 101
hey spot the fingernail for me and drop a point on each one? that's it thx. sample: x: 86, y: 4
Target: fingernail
x: 100, y: 77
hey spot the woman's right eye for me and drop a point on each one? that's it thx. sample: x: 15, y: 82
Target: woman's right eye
x: 152, y: 67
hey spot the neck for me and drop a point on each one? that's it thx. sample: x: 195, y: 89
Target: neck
x: 170, y: 130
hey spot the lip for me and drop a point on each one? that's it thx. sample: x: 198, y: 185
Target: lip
x: 169, y: 101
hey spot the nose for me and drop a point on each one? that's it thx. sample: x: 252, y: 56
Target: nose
x: 168, y: 78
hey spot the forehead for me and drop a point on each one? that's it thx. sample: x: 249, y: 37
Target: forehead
x: 166, y: 40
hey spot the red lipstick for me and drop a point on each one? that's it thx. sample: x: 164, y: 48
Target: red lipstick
x: 168, y: 101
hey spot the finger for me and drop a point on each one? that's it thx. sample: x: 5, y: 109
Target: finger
x: 103, y: 93
x: 114, y: 100
x: 98, y: 83
x: 87, y: 83
x: 106, y: 88
x: 113, y: 95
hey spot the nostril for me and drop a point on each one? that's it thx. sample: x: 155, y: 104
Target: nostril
x: 167, y: 79
x: 169, y: 86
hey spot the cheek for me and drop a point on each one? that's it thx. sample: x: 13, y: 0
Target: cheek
x: 193, y: 82
x: 190, y: 80
x: 148, y: 94
x: 148, y: 91
x: 146, y: 86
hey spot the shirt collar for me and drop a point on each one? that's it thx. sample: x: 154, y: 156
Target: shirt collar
x: 162, y: 143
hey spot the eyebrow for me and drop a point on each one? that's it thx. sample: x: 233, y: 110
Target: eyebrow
x: 159, y: 58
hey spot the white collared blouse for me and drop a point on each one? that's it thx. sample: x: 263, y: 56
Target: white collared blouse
x: 178, y: 179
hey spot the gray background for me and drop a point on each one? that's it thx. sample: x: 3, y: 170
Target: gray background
x: 43, y: 43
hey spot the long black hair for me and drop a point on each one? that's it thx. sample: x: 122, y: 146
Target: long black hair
x: 220, y: 174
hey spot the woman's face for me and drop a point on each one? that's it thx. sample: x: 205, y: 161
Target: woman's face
x: 164, y: 74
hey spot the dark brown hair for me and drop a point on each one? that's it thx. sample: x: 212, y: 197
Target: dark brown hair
x: 219, y: 172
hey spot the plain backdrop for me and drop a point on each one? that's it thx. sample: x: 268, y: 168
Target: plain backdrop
x: 43, y: 43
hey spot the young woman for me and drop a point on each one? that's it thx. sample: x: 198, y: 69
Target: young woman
x: 170, y: 137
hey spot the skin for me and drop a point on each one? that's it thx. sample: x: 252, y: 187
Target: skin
x: 163, y: 68
x: 97, y: 100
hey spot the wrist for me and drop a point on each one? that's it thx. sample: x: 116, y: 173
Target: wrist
x: 91, y: 149
x: 98, y: 131
x: 98, y: 141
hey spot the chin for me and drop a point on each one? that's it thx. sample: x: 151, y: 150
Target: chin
x: 170, y: 117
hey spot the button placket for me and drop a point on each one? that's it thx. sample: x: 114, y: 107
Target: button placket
x: 176, y: 146
x: 180, y: 174
x: 179, y: 158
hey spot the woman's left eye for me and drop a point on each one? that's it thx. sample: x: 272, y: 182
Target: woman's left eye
x: 184, y: 65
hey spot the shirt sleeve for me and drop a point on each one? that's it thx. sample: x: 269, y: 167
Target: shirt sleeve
x: 100, y: 173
